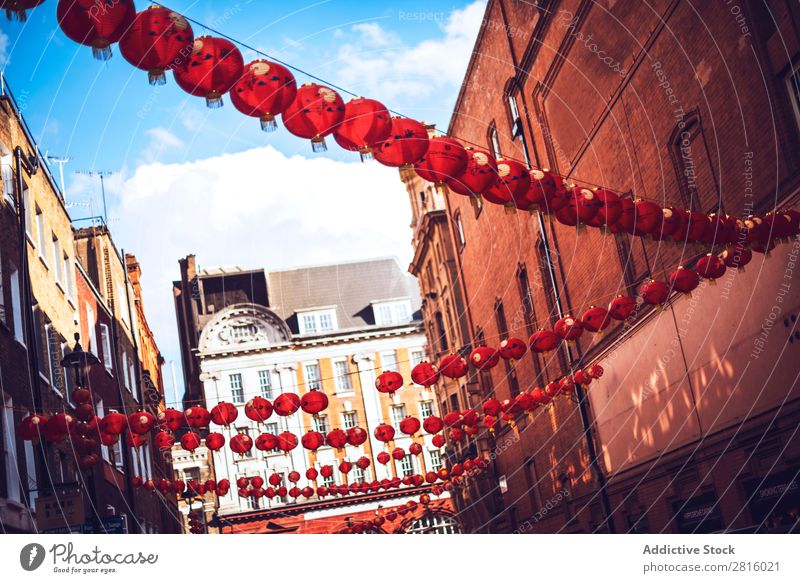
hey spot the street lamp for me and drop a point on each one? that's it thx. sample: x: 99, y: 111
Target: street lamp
x: 81, y: 361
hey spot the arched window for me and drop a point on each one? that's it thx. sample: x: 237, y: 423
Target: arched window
x: 435, y: 524
x: 494, y: 141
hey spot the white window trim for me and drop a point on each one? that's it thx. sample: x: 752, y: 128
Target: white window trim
x: 393, y: 306
x: 315, y: 313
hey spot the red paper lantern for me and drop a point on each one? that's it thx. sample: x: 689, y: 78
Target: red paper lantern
x: 544, y: 341
x: 274, y: 480
x: 737, y: 256
x: 363, y: 462
x: 595, y: 319
x: 315, y: 113
x: 384, y: 458
x: 295, y: 492
x: 445, y: 158
x: 313, y: 440
x: 156, y: 41
x: 190, y: 441
x: 425, y: 374
x: 141, y: 422
x: 266, y: 442
x: 336, y: 438
x: 258, y: 409
x: 541, y: 397
x: 415, y: 449
x: 113, y: 423
x: 172, y: 419
x: 164, y: 440
x: 293, y: 476
x: 432, y: 424
x: 569, y: 328
x: 389, y: 382
x: 438, y: 440
x: 211, y: 69
x: 655, y: 292
x: 595, y: 371
x: 545, y: 191
x: 95, y: 24
x: 264, y: 90
x: 452, y: 419
x: 609, y: 209
x: 694, y: 225
x: 407, y: 143
x: 197, y: 417
x: 479, y: 174
x: 710, y: 267
x: 59, y: 426
x: 581, y: 377
x: 512, y: 349
x: 311, y: 474
x: 366, y: 122
x: 671, y: 223
x: 648, y: 217
x: 32, y: 427
x: 356, y: 436
x: 224, y: 413
x: 410, y: 425
x: 582, y: 206
x: 81, y: 396
x: 627, y: 217
x: 215, y: 442
x: 453, y: 366
x: 551, y: 389
x: 484, y: 358
x: 398, y: 453
x: 286, y: 404
x: 512, y: 185
x: 108, y: 439
x: 621, y: 307
x: 492, y: 407
x: 684, y: 280
x: 314, y: 402
x: 525, y: 402
x: 241, y: 443
x: 345, y: 467
x: 456, y: 434
x: 384, y: 433
x: 287, y: 441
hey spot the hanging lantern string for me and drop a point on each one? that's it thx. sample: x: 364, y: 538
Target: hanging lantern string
x: 340, y: 88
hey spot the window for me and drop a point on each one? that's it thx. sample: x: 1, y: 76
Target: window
x: 494, y: 142
x: 317, y: 321
x: 389, y: 360
x: 321, y: 424
x: 459, y: 231
x: 312, y: 377
x: 40, y: 228
x: 416, y: 356
x: 357, y: 474
x: 69, y: 289
x: 329, y: 480
x: 434, y: 524
x: 104, y: 451
x: 341, y: 370
x: 237, y: 390
x: 265, y: 383
x: 91, y: 323
x: 441, y: 330
x: 350, y: 419
x: 425, y: 409
x: 407, y: 465
x: 16, y: 306
x: 436, y: 460
x: 105, y: 338
x: 7, y: 168
x: 58, y: 263
x: 30, y: 471
x: 392, y: 312
x: 10, y: 451
x: 125, y: 379
x: 2, y: 295
x: 55, y: 356
x: 513, y: 111
x: 398, y: 414
x: 134, y: 380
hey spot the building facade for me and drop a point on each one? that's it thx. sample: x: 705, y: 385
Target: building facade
x: 689, y: 434
x: 328, y: 328
x: 53, y: 285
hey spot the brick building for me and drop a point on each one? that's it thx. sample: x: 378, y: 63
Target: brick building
x: 330, y: 328
x: 639, y: 98
x: 56, y: 282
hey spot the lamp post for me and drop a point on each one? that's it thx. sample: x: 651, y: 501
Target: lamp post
x: 81, y: 362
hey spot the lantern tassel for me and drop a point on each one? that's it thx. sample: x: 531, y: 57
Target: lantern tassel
x: 318, y: 144
x: 18, y: 14
x: 268, y: 123
x: 214, y: 100
x: 510, y: 209
x: 156, y: 77
x: 102, y: 53
x: 366, y: 154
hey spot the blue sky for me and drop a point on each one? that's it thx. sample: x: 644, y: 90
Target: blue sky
x: 188, y: 179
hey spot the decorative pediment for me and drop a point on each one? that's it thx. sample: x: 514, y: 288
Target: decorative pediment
x: 243, y: 326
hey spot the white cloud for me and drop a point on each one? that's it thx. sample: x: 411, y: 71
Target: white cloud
x: 376, y: 64
x: 163, y: 143
x: 257, y: 208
